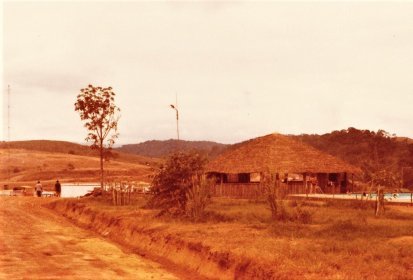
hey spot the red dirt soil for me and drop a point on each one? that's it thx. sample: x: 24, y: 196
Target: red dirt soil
x: 37, y: 244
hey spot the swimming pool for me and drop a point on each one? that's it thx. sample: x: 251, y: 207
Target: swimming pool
x: 76, y: 190
x: 389, y: 197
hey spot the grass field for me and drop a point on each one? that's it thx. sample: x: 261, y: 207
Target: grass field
x: 25, y: 167
x: 337, y: 240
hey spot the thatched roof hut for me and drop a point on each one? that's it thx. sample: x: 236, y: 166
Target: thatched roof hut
x: 279, y: 154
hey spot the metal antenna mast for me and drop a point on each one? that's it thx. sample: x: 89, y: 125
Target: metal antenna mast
x: 175, y: 107
x: 177, y: 116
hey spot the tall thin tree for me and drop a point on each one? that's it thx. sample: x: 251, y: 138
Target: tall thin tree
x: 96, y: 106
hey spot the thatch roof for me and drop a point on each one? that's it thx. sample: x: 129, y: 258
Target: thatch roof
x: 277, y: 153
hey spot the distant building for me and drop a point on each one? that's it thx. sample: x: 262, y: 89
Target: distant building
x: 299, y: 168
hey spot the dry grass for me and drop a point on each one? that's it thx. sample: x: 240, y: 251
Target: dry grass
x: 340, y: 242
x: 28, y: 166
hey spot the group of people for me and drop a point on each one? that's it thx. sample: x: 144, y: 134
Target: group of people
x: 39, y: 188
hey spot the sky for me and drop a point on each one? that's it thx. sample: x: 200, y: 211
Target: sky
x: 239, y: 69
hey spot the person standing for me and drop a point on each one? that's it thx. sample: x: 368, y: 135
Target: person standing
x: 58, y: 188
x: 39, y: 189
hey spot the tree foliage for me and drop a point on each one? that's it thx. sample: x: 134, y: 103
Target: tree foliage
x: 175, y: 179
x: 96, y: 106
x: 385, y: 178
x: 375, y: 153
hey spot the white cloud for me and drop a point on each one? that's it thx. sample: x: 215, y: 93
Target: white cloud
x: 240, y: 69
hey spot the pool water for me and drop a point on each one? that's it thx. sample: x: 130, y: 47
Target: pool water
x: 75, y: 190
x: 386, y: 195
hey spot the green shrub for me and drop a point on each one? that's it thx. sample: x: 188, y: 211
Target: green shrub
x: 198, y: 197
x: 173, y: 181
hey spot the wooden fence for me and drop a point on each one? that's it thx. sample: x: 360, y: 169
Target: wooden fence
x: 238, y: 190
x: 252, y: 190
x: 125, y: 193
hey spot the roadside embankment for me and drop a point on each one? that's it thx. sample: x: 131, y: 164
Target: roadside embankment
x: 239, y: 240
x: 161, y: 243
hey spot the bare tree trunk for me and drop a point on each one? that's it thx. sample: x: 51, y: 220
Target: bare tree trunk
x: 101, y: 163
x: 380, y: 202
x: 270, y: 189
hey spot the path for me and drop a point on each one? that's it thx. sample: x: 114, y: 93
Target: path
x: 36, y: 244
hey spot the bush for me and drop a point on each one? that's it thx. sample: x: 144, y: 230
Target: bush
x: 173, y: 181
x: 198, y: 197
x: 303, y: 216
x: 282, y: 213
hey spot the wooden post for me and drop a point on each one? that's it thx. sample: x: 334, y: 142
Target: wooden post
x: 116, y: 195
x: 121, y: 194
x: 113, y: 195
x: 380, y: 202
x: 352, y: 182
x: 305, y: 183
x: 221, y: 184
x: 129, y: 190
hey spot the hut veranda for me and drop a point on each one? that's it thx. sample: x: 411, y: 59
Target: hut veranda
x: 298, y: 167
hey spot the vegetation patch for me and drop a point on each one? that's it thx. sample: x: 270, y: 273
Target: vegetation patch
x: 239, y: 240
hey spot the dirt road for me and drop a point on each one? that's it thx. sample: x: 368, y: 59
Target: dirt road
x: 36, y: 244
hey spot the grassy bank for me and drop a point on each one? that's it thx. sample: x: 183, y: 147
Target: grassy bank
x: 337, y: 240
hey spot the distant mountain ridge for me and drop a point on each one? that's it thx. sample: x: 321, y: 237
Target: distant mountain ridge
x: 369, y: 150
x: 161, y: 149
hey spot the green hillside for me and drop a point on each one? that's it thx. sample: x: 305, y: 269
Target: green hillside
x: 161, y: 149
x: 372, y: 151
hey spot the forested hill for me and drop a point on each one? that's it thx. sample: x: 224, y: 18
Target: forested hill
x: 372, y: 151
x: 157, y: 148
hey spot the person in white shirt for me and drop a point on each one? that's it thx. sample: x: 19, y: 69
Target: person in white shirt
x: 39, y: 189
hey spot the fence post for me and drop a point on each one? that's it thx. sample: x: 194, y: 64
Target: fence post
x: 117, y: 195
x: 129, y: 190
x: 113, y: 194
x: 122, y: 202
